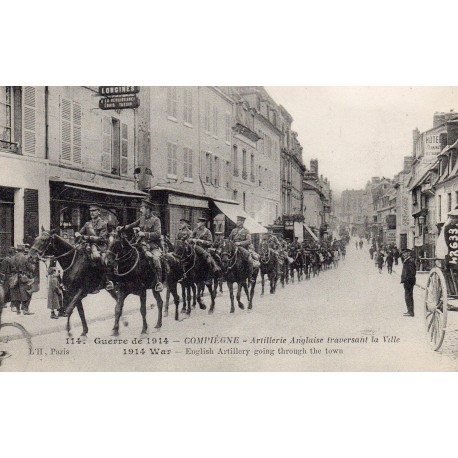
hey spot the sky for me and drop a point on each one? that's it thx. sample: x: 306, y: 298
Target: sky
x: 360, y: 132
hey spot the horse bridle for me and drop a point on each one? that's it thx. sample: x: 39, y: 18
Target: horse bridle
x: 124, y: 257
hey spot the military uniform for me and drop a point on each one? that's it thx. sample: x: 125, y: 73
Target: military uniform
x: 184, y: 234
x: 21, y: 292
x: 408, y: 278
x: 242, y: 237
x: 204, y: 240
x: 97, y: 232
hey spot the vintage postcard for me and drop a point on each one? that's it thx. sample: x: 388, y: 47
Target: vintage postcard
x: 228, y: 228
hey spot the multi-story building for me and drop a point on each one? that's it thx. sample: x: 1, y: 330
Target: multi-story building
x: 317, y: 203
x: 59, y: 152
x: 351, y: 211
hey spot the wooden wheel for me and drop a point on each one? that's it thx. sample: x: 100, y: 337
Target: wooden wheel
x: 436, y: 308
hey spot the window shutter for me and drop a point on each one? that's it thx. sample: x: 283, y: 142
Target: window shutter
x: 169, y: 158
x: 124, y: 149
x: 30, y: 215
x: 66, y: 129
x: 76, y: 144
x: 190, y: 163
x: 106, y: 143
x: 29, y: 109
x: 185, y: 162
x: 175, y: 159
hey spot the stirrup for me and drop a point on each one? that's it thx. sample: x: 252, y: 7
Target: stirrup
x: 109, y: 286
x: 159, y: 287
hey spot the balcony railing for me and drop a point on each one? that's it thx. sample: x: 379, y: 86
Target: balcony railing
x: 10, y: 147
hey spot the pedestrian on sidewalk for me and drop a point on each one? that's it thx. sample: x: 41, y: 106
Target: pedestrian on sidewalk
x: 380, y: 261
x: 396, y: 255
x: 389, y: 262
x: 408, y: 278
x: 356, y: 244
x: 21, y: 281
x: 55, y: 298
x: 371, y: 252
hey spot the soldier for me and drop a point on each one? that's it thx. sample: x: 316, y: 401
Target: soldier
x: 295, y: 245
x: 242, y: 238
x: 219, y: 239
x: 22, y: 269
x: 5, y: 272
x: 95, y: 232
x: 184, y: 233
x: 408, y: 278
x: 203, y: 238
x: 148, y: 230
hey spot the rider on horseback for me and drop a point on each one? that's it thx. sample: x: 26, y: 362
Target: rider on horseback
x: 184, y: 233
x: 242, y: 239
x: 149, y: 235
x: 95, y: 232
x: 203, y: 238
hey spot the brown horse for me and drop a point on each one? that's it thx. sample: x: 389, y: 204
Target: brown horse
x: 132, y: 274
x: 269, y: 266
x: 235, y: 269
x: 81, y: 275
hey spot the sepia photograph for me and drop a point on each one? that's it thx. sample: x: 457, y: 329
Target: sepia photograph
x: 228, y: 228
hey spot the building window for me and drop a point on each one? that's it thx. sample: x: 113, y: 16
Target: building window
x: 259, y: 176
x: 228, y: 127
x: 208, y: 168
x: 216, y: 174
x: 187, y: 105
x: 244, y: 200
x: 235, y: 195
x: 171, y: 160
x: 449, y: 202
x: 228, y: 174
x: 172, y: 102
x: 252, y: 174
x: 187, y: 163
x: 235, y: 161
x: 6, y: 100
x: 215, y: 121
x: 439, y: 207
x: 207, y: 116
x: 244, y: 165
x: 70, y: 133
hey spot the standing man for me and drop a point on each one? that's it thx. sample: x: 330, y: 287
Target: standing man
x: 408, y: 278
x: 5, y: 272
x: 380, y: 261
x: 371, y: 252
x: 389, y: 262
x: 148, y: 230
x: 21, y: 292
x: 95, y: 232
x: 203, y: 238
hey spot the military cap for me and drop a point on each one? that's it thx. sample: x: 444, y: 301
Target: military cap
x: 94, y: 206
x: 185, y: 221
x: 202, y: 219
x: 147, y: 202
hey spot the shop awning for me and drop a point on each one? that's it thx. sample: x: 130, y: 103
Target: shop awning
x: 311, y: 232
x: 234, y: 210
x: 99, y: 189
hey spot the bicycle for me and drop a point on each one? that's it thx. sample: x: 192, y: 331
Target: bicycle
x: 15, y: 343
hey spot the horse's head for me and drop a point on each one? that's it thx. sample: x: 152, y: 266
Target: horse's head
x: 228, y: 249
x: 116, y: 245
x: 42, y: 245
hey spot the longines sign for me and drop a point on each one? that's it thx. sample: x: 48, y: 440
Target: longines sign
x: 118, y: 90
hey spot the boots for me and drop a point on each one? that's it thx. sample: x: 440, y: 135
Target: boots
x: 159, y: 286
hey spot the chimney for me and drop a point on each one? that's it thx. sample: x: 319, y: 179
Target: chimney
x: 438, y: 119
x: 415, y: 137
x: 407, y: 163
x: 314, y: 166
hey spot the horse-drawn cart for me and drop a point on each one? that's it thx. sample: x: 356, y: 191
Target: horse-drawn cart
x: 441, y: 297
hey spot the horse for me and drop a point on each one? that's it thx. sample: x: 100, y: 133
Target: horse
x: 132, y: 274
x: 269, y: 266
x: 81, y: 275
x: 284, y: 267
x: 297, y: 264
x: 236, y: 270
x: 195, y: 271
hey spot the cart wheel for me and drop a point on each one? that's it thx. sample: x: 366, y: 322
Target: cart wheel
x: 436, y: 308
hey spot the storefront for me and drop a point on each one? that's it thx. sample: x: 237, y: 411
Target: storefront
x: 6, y: 220
x: 70, y: 202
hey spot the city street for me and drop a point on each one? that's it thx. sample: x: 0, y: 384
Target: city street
x: 352, y: 302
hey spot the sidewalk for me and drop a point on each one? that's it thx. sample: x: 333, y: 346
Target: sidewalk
x: 99, y: 306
